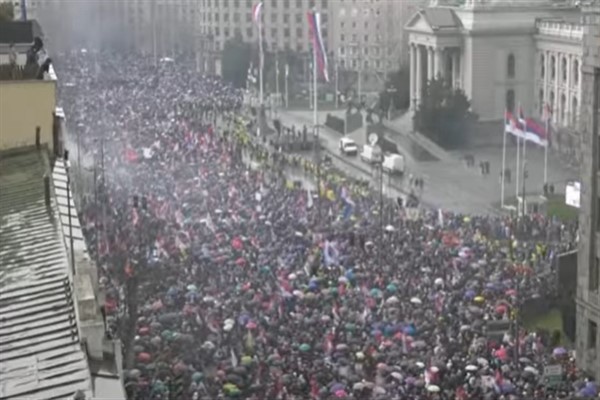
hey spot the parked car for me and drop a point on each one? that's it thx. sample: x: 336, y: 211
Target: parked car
x: 393, y: 164
x: 348, y: 147
x: 370, y: 154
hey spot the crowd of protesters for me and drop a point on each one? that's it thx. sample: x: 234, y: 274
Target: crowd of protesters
x: 246, y: 286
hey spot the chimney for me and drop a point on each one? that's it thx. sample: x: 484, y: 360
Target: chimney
x: 37, y: 137
x: 47, y: 191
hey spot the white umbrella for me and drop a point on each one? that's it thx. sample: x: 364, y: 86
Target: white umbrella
x: 390, y: 228
x: 433, y: 388
x: 438, y: 281
x: 397, y: 376
x: 229, y: 321
x: 392, y: 300
x: 292, y: 276
x: 483, y: 362
x: 531, y: 369
x: 419, y: 364
x: 416, y: 300
x: 434, y: 369
x: 298, y: 294
x: 471, y: 368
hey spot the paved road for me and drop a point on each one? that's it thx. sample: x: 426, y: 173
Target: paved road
x: 441, y: 190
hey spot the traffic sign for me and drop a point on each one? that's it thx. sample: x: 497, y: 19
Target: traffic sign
x: 553, y: 375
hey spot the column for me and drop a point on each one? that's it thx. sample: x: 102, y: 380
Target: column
x: 413, y: 75
x: 429, y: 63
x: 568, y: 111
x: 546, y: 78
x: 557, y: 78
x: 419, y: 74
x: 455, y: 69
x: 439, y: 69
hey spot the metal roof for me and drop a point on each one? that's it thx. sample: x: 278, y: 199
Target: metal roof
x: 441, y: 18
x: 40, y: 353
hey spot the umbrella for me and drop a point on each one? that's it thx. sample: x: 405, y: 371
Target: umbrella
x: 246, y: 360
x: 438, y: 282
x: 471, y: 368
x: 144, y: 358
x: 469, y: 294
x: 358, y: 386
x: 416, y: 300
x: 433, y: 388
x: 192, y: 288
x: 483, y: 362
x: 559, y: 351
x: 392, y: 300
x: 397, y: 376
x: 391, y: 288
x: 501, y: 309
x: 340, y: 394
x: 341, y: 347
x: 375, y: 293
x: 251, y: 325
x: 531, y: 369
x: 524, y: 360
x: 479, y: 299
x: 390, y: 228
x: 304, y: 347
x: 336, y: 387
x: 197, y: 376
x: 342, y: 279
x: 208, y: 345
x: 292, y: 276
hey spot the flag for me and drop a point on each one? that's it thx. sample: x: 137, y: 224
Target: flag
x: 314, y: 24
x: 512, y: 126
x: 536, y: 132
x: 330, y: 253
x: 256, y: 9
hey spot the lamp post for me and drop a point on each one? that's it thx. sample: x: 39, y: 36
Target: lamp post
x: 317, y: 149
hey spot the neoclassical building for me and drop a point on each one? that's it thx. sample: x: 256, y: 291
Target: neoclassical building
x: 503, y: 53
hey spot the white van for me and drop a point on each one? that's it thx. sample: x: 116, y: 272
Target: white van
x: 348, y: 147
x: 393, y: 164
x: 370, y: 154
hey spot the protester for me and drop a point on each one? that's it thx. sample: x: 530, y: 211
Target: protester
x: 247, y: 289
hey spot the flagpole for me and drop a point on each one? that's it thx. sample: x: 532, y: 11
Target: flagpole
x: 518, y: 170
x: 503, y: 162
x: 524, y: 166
x: 315, y: 121
x: 277, y: 79
x: 337, y: 87
x: 546, y: 153
x: 287, y: 73
x: 261, y: 59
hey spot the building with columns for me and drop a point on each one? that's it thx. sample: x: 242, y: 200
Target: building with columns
x: 588, y: 268
x: 503, y: 53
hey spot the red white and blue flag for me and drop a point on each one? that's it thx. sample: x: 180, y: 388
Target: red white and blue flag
x: 256, y: 9
x: 314, y: 23
x: 513, y: 125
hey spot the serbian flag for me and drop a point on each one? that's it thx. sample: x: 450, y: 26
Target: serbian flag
x: 256, y: 9
x: 536, y: 132
x: 319, y: 53
x: 512, y: 126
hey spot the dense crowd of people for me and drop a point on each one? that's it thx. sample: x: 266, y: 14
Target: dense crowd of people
x: 241, y: 287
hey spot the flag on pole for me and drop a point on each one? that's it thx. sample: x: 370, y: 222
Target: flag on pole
x: 314, y: 24
x: 512, y: 126
x: 522, y: 119
x: 536, y: 132
x: 256, y: 9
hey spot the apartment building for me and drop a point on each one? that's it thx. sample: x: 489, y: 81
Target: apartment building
x: 284, y: 22
x: 588, y: 271
x: 368, y: 35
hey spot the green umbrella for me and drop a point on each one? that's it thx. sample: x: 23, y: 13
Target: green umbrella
x: 167, y: 335
x: 197, y: 376
x: 376, y: 292
x: 304, y: 347
x: 391, y: 288
x: 350, y: 327
x: 192, y: 288
x: 246, y: 360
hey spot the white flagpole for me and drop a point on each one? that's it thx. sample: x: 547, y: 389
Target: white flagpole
x: 546, y: 152
x: 277, y: 79
x: 503, y: 162
x: 517, y: 170
x: 315, y: 97
x: 287, y: 73
x: 261, y: 57
x: 337, y: 87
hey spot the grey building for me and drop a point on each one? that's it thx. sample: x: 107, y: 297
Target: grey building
x: 588, y: 280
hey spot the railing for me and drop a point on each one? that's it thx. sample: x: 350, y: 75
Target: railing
x: 561, y: 29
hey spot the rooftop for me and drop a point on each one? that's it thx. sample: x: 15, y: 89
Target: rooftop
x: 40, y: 352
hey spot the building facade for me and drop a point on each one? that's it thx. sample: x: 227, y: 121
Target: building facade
x: 588, y: 271
x: 284, y: 22
x: 504, y: 54
x: 368, y: 36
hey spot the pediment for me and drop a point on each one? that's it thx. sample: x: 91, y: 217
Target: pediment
x: 418, y: 23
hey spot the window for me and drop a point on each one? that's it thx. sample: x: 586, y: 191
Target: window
x: 298, y: 3
x: 226, y: 32
x: 274, y: 32
x: 366, y: 25
x: 226, y: 17
x: 286, y: 18
x: 286, y: 3
x: 576, y: 72
x: 563, y: 106
x: 354, y: 38
x: 342, y: 25
x: 366, y: 38
x: 353, y: 24
x: 299, y: 48
x: 286, y: 32
x: 553, y: 68
x: 274, y: 3
x: 299, y: 32
x: 541, y: 101
x: 342, y: 37
x: 249, y: 33
x: 564, y: 69
x: 592, y: 340
x: 298, y: 18
x: 216, y: 17
x: 236, y: 17
x: 217, y: 31
x: 342, y: 50
x: 343, y: 63
x: 542, y: 66
x: 574, y: 111
x: 378, y: 64
x: 248, y: 18
x: 510, y: 100
x: 248, y: 3
x: 236, y: 3
x: 510, y: 66
x: 324, y: 4
x: 273, y: 17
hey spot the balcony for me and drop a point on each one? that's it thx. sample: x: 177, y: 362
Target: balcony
x: 560, y: 29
